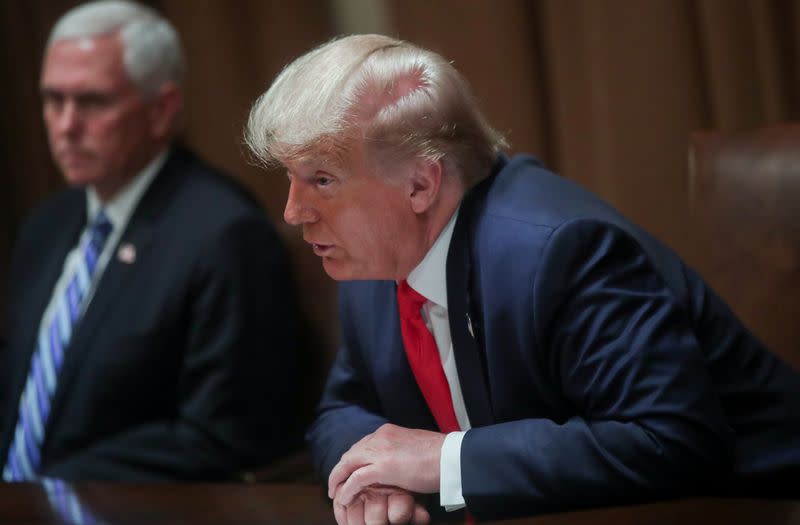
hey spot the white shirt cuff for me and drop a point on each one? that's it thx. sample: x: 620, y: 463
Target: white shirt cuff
x: 450, y: 495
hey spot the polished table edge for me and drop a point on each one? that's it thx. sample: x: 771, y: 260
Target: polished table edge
x: 306, y: 504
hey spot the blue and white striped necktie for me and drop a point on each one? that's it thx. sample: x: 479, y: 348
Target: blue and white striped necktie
x: 67, y: 504
x: 24, y: 458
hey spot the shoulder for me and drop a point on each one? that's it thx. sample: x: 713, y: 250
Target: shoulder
x: 65, y: 206
x: 201, y: 200
x: 522, y: 190
x: 524, y: 201
x: 524, y: 217
x: 511, y: 216
x: 199, y: 183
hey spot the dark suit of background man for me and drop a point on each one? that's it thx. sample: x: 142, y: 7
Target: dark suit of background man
x: 574, y: 360
x: 179, y: 364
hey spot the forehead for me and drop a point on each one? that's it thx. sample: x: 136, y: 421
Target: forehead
x: 84, y: 63
x: 347, y: 153
x: 341, y: 156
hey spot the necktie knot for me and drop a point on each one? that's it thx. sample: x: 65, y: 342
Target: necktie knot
x: 409, y: 301
x: 99, y: 230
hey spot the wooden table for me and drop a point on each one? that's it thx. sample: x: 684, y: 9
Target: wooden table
x: 55, y: 502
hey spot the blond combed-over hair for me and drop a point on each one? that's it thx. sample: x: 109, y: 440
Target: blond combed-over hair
x: 401, y: 100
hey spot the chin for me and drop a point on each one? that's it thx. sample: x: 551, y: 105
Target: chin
x: 78, y: 178
x: 341, y: 271
x: 335, y: 271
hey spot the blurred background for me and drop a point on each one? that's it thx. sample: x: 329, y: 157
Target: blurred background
x: 605, y: 92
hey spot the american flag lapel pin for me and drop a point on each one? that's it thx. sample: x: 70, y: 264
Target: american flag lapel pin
x: 126, y: 253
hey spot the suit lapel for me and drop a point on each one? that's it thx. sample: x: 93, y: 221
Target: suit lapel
x: 106, y: 297
x: 469, y: 363
x: 71, y: 219
x: 110, y: 288
x: 55, y: 250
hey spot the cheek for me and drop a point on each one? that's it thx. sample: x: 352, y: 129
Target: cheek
x: 112, y: 137
x: 354, y: 230
x: 380, y: 233
x: 52, y: 136
x: 123, y: 129
x: 111, y: 129
x: 51, y: 125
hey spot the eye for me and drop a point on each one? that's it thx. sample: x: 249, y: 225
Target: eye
x: 94, y: 99
x: 323, y: 179
x: 94, y: 102
x: 52, y: 100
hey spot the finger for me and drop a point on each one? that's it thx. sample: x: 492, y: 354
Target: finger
x: 341, y: 472
x: 340, y: 513
x: 375, y: 512
x: 355, y: 513
x: 400, y: 507
x: 351, y: 460
x: 421, y: 516
x: 384, y: 490
x: 357, y: 482
x: 335, y: 491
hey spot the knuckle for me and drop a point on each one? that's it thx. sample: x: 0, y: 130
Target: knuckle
x: 357, y: 478
x: 400, y: 511
x: 386, y: 428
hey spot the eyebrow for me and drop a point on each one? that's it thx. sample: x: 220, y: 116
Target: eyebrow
x: 45, y: 90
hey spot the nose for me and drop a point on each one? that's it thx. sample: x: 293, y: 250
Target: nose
x: 298, y: 211
x: 68, y: 118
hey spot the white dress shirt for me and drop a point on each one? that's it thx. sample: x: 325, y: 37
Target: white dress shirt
x: 118, y: 210
x: 429, y: 280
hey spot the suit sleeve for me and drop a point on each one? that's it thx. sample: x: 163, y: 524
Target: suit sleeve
x: 349, y: 407
x: 238, y: 381
x: 621, y: 350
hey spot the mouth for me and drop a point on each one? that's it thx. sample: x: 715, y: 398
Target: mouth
x: 73, y: 158
x: 322, y: 250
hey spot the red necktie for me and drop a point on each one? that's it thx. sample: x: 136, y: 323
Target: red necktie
x: 423, y: 356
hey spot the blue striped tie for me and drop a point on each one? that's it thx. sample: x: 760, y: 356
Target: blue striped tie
x: 24, y: 457
x: 67, y: 503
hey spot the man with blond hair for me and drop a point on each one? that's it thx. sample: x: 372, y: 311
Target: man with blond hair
x: 510, y: 341
x: 151, y: 331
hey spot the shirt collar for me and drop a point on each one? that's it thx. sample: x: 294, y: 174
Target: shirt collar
x: 429, y: 277
x: 121, y: 206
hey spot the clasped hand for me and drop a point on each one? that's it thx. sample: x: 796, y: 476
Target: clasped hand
x: 374, y: 482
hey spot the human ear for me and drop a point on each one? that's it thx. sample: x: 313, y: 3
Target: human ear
x: 425, y: 183
x: 164, y: 108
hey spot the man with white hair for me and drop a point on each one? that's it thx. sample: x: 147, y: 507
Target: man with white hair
x: 510, y: 341
x: 151, y: 331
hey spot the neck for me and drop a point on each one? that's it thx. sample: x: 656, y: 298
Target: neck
x: 431, y: 225
x: 110, y: 189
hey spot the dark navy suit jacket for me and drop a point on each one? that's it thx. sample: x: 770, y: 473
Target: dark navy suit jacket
x: 183, y: 365
x: 602, y: 369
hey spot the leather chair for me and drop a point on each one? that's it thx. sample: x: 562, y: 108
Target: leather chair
x: 745, y: 204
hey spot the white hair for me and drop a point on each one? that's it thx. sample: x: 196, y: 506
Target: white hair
x: 400, y: 99
x: 152, y: 52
